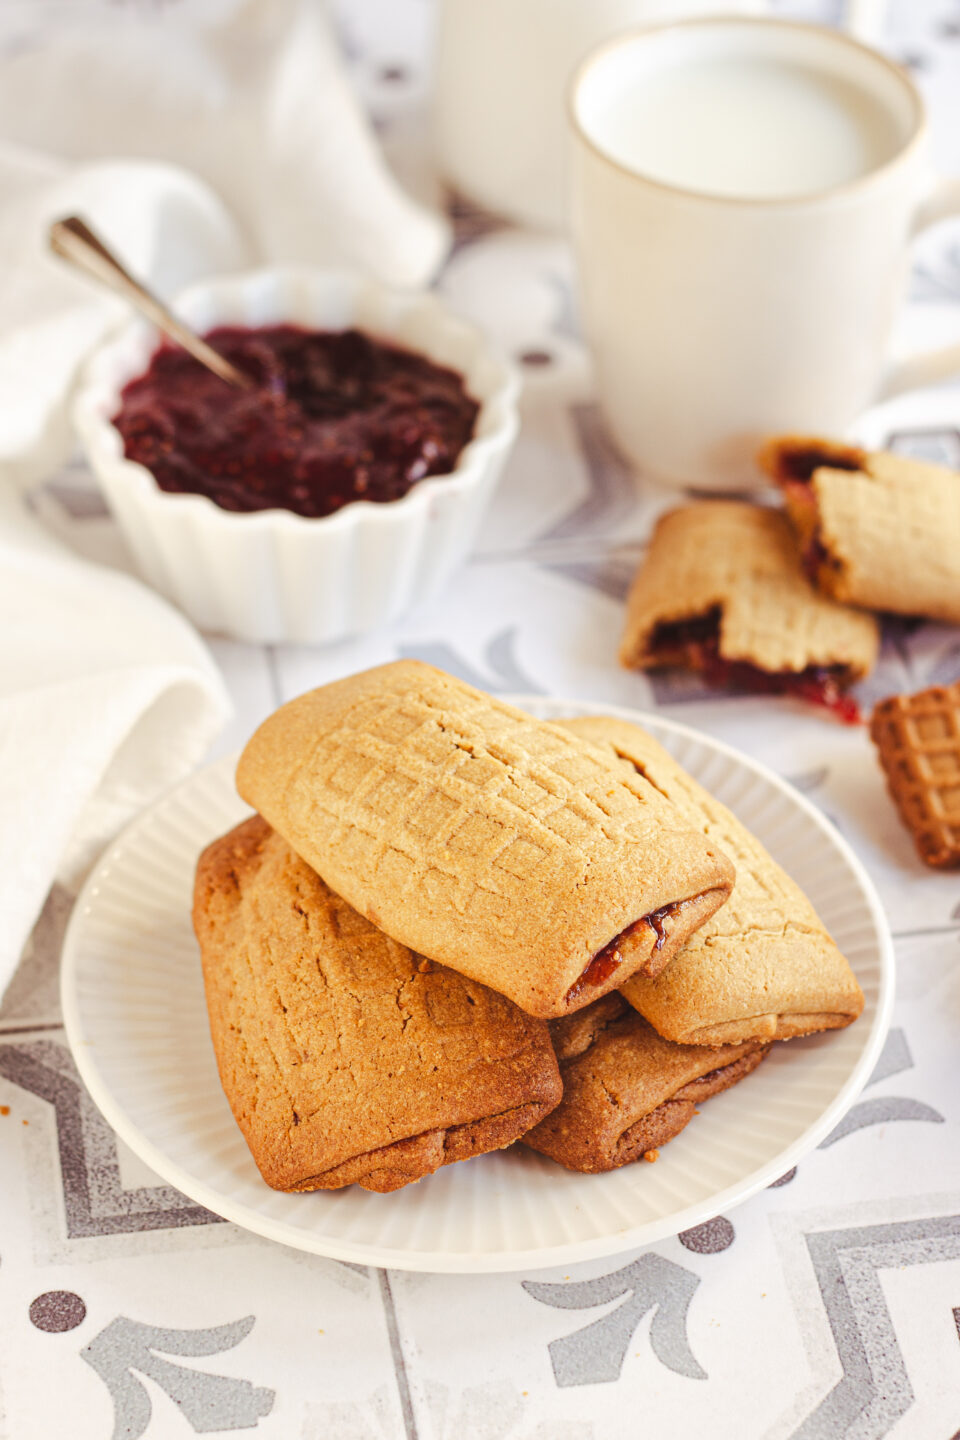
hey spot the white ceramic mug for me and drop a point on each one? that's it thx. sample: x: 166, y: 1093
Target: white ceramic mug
x: 502, y: 69
x: 723, y: 311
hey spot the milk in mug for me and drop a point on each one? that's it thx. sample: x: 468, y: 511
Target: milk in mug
x: 744, y: 193
x: 752, y: 127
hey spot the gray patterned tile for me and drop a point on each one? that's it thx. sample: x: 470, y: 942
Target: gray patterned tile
x: 595, y: 1354
x: 94, y: 1199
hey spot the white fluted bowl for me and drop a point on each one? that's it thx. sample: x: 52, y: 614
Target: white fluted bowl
x: 270, y: 575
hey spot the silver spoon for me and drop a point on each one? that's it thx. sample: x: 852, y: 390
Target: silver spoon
x: 76, y: 243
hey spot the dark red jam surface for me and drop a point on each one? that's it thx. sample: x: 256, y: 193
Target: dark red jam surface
x: 814, y: 552
x: 696, y: 644
x: 656, y: 918
x: 605, y: 961
x: 800, y: 492
x: 333, y: 416
x: 798, y: 462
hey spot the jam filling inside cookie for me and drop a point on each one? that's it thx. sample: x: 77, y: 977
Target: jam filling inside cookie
x: 334, y: 416
x: 606, y: 961
x: 793, y: 464
x: 797, y: 460
x: 814, y: 555
x: 694, y: 644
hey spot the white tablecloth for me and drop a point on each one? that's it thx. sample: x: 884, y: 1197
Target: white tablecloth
x: 827, y: 1306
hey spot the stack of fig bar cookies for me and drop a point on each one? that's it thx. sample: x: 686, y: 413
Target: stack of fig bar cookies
x: 451, y: 927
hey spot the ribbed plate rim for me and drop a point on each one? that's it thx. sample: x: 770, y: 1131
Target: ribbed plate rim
x: 615, y: 1242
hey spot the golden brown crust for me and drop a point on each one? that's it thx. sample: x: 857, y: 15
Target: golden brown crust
x: 345, y: 1057
x: 716, y: 1081
x: 762, y: 966
x: 886, y: 531
x: 918, y: 741
x: 741, y: 562
x: 630, y: 1091
x: 574, y: 1034
x: 437, y: 812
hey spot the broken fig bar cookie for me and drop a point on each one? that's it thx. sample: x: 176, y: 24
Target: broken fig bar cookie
x: 497, y: 844
x: 627, y: 1091
x: 762, y: 966
x: 722, y: 591
x: 918, y: 741
x: 875, y: 529
x: 345, y: 1057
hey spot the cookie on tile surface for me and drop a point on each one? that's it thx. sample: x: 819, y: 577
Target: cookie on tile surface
x: 627, y: 1091
x: 876, y: 529
x: 491, y: 842
x: 918, y: 741
x: 762, y: 966
x: 345, y: 1057
x: 722, y: 590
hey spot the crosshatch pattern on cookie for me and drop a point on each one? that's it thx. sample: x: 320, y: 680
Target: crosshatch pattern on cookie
x: 918, y: 739
x: 409, y: 774
x: 332, y: 1039
x: 763, y: 964
x: 743, y: 561
x: 500, y: 845
x: 893, y: 530
x: 763, y: 897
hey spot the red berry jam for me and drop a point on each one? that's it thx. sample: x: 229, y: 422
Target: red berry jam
x: 695, y: 644
x: 332, y: 417
x: 603, y: 964
x: 813, y: 552
x: 797, y: 461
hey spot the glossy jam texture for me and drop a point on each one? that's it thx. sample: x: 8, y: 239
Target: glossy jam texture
x: 332, y: 417
x: 813, y: 553
x: 793, y: 464
x: 607, y: 960
x: 798, y: 460
x: 696, y: 644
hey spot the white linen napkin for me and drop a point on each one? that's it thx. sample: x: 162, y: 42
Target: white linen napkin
x: 197, y: 138
x: 169, y: 229
x: 251, y: 96
x: 107, y: 697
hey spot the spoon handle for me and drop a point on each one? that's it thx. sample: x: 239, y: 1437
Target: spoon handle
x: 76, y: 243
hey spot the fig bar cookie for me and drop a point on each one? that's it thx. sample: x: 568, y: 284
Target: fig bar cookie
x: 345, y: 1057
x: 877, y: 530
x: 722, y: 591
x: 918, y: 739
x: 627, y: 1091
x: 763, y: 965
x: 491, y: 842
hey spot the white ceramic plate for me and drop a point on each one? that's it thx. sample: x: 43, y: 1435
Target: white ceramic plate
x: 136, y: 1021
